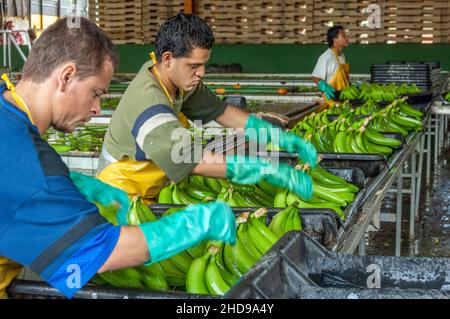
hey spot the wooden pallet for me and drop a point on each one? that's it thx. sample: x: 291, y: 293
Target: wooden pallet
x: 281, y: 21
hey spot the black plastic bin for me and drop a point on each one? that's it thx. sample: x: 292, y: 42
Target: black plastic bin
x: 299, y: 267
x: 321, y: 224
x: 426, y: 75
x: 370, y: 164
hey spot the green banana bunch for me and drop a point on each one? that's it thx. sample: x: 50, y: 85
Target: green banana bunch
x: 339, y: 108
x: 349, y: 93
x: 221, y: 265
x: 195, y: 189
x: 350, y: 135
x: 286, y: 220
x: 330, y: 192
x: 205, y: 275
x: 247, y: 195
x: 123, y: 278
x: 140, y: 213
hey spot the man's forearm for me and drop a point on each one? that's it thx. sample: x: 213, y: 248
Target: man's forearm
x: 131, y: 250
x: 211, y: 165
x: 233, y: 117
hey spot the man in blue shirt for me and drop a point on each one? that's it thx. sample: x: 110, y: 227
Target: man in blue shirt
x: 46, y: 223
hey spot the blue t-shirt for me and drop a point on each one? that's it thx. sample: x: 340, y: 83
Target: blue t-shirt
x: 45, y: 222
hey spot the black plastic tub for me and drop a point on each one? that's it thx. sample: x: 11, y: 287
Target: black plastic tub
x: 321, y: 224
x: 298, y: 267
x: 370, y: 164
x: 29, y: 289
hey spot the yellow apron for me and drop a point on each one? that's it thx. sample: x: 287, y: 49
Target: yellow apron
x: 340, y: 79
x: 142, y: 178
x: 9, y: 270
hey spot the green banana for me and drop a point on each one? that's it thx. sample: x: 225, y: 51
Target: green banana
x: 320, y: 174
x: 133, y: 217
x: 380, y: 139
x: 267, y: 188
x: 197, y: 251
x: 153, y: 280
x: 215, y: 284
x: 339, y: 142
x: 291, y: 199
x: 229, y: 277
x: 123, y: 278
x: 213, y: 184
x: 408, y: 110
x: 324, y: 193
x: 182, y: 261
x: 259, y: 227
x: 238, y: 255
x: 248, y: 243
x: 374, y: 148
x: 229, y: 260
x: 173, y: 276
x: 280, y: 198
x: 406, y: 121
x: 326, y: 205
x: 144, y: 212
x: 263, y: 195
x: 360, y: 143
x: 200, y: 195
x: 165, y: 195
x: 195, y: 277
x: 277, y: 224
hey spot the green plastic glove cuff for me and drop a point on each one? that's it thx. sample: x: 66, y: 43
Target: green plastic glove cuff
x: 248, y: 170
x: 327, y: 89
x: 289, y: 142
x: 179, y: 231
x: 95, y: 190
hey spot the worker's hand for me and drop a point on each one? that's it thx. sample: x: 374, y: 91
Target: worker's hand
x: 328, y: 90
x: 187, y: 228
x: 289, y: 142
x: 96, y: 191
x: 250, y: 170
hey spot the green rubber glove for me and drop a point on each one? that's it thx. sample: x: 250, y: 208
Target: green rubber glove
x: 187, y: 228
x: 266, y: 133
x: 249, y: 170
x: 327, y: 89
x: 96, y: 191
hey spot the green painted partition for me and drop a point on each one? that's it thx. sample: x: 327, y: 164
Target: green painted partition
x: 288, y: 58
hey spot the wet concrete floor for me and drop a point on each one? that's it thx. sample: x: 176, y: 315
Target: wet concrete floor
x: 432, y: 230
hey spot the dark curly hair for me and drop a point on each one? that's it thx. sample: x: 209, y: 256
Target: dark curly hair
x: 181, y: 34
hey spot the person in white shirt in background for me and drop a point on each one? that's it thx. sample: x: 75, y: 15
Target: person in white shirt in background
x: 331, y: 72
